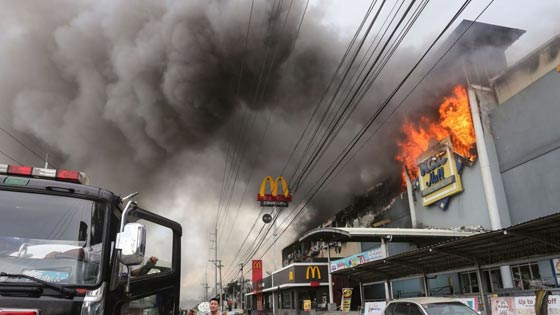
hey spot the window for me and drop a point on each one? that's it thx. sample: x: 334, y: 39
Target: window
x: 526, y: 276
x: 389, y: 310
x: 448, y: 308
x: 414, y: 310
x: 158, y: 255
x: 469, y: 282
x: 54, y: 238
x: 156, y: 304
x: 287, y: 300
x: 493, y: 279
x: 401, y: 309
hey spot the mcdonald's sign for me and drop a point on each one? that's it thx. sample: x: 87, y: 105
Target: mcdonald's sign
x: 314, y: 272
x: 273, y: 199
x: 257, y: 274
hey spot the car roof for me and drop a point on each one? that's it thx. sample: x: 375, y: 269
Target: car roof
x: 425, y: 300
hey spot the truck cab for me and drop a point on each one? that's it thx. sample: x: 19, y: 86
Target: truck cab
x: 70, y: 248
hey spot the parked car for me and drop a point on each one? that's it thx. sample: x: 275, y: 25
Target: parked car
x: 427, y: 306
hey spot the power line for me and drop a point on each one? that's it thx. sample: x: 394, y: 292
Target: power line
x: 10, y: 157
x: 238, y: 153
x: 260, y: 242
x: 23, y: 145
x: 372, y: 119
x: 330, y: 84
x: 321, y: 147
x: 267, y: 124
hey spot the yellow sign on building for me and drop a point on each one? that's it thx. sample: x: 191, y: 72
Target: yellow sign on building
x: 307, y: 305
x: 438, y: 174
x: 314, y: 272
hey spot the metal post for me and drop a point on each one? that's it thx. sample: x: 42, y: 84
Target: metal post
x: 331, y: 297
x: 426, y: 285
x: 242, y: 288
x: 385, y: 253
x: 362, y: 296
x: 390, y: 286
x: 481, y: 289
x: 221, y: 286
x: 274, y: 307
x: 216, y: 258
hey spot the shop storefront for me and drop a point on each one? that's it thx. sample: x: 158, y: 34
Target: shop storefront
x: 294, y: 289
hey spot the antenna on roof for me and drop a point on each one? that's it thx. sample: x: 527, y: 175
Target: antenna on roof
x: 129, y: 196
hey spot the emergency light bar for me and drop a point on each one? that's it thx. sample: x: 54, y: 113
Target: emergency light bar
x: 48, y: 173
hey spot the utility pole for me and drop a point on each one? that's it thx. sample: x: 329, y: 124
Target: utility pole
x: 214, y: 241
x: 221, y: 286
x: 274, y: 292
x: 218, y: 264
x: 242, y: 288
x: 205, y: 286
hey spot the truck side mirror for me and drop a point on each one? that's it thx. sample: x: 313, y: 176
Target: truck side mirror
x: 132, y: 244
x: 82, y: 232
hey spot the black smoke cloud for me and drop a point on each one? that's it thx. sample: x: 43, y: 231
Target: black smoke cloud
x: 150, y: 96
x: 138, y: 82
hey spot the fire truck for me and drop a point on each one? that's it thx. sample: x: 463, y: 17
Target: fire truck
x: 70, y: 248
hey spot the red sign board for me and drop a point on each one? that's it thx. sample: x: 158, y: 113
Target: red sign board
x: 257, y: 283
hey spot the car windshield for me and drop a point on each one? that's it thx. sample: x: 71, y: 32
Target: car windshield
x: 448, y: 308
x: 54, y: 238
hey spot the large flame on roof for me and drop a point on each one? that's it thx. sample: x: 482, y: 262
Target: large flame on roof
x: 455, y: 121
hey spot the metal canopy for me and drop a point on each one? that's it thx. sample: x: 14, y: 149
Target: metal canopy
x: 534, y: 239
x: 374, y: 234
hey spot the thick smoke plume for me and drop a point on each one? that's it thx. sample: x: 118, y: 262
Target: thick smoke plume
x: 149, y: 96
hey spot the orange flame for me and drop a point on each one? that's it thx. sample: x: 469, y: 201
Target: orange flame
x: 455, y: 121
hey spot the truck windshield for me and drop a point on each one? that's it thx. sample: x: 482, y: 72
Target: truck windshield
x: 54, y: 238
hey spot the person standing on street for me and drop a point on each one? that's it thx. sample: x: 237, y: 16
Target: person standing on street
x: 214, y: 306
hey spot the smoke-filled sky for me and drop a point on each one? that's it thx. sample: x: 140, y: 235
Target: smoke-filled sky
x: 152, y: 96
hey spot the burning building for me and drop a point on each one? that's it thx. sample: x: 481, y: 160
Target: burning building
x: 484, y: 156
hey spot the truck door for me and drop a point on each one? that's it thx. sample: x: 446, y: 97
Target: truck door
x: 154, y: 285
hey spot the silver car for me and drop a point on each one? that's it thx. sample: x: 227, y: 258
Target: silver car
x: 427, y: 306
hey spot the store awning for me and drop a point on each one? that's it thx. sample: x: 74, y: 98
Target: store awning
x: 535, y: 239
x: 331, y: 234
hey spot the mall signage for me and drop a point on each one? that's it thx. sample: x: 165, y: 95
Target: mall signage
x: 439, y: 175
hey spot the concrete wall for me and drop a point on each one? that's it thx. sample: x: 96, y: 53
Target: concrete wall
x: 528, y: 70
x: 526, y: 131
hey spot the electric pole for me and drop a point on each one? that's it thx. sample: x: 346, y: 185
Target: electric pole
x: 242, y: 288
x: 214, y: 243
x: 218, y: 264
x: 221, y: 286
x: 205, y: 287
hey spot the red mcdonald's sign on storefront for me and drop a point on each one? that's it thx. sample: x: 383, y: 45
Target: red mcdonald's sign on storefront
x: 257, y: 274
x: 256, y: 266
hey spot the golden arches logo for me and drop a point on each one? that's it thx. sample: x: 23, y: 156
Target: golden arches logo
x: 257, y: 264
x: 273, y: 196
x: 312, y: 271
